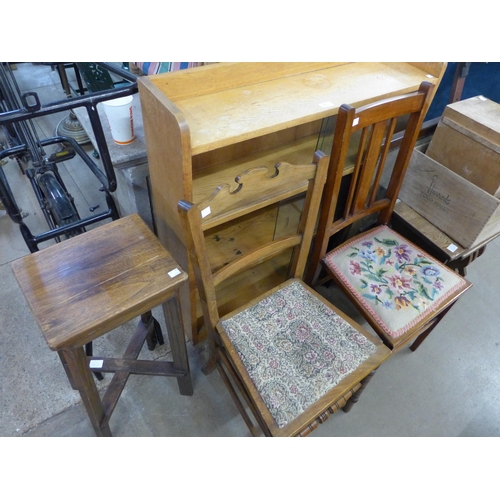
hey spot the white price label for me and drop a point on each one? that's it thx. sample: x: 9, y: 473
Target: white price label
x: 175, y: 272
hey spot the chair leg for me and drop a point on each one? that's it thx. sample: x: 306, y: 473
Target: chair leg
x: 426, y: 333
x: 210, y: 365
x: 355, y: 397
x: 213, y: 346
x: 460, y: 266
x: 81, y: 375
x: 158, y: 333
x: 175, y: 331
x: 421, y: 338
x: 224, y: 365
x: 154, y: 335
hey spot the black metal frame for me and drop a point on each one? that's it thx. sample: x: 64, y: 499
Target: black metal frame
x: 32, y: 108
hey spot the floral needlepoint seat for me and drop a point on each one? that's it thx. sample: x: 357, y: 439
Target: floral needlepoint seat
x: 394, y: 280
x: 295, y: 349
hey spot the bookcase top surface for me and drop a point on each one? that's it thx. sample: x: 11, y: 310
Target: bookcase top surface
x: 226, y: 103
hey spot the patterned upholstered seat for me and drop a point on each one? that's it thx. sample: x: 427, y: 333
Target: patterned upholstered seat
x: 294, y: 348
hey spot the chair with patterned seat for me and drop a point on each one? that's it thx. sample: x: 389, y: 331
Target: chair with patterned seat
x: 288, y: 355
x: 399, y: 289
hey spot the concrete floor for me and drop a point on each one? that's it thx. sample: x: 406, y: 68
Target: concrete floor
x: 448, y: 387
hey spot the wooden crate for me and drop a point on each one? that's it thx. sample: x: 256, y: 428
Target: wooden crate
x: 459, y: 208
x: 467, y: 141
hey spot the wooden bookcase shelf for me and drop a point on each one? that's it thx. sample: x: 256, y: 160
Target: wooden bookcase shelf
x: 205, y: 125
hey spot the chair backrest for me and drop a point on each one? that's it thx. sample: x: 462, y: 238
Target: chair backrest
x: 256, y: 188
x: 361, y: 144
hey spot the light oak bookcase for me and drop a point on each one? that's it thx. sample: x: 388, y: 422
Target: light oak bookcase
x: 205, y: 125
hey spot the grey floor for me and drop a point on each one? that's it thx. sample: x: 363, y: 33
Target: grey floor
x: 448, y: 387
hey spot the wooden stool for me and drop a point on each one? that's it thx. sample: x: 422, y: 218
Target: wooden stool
x: 86, y: 286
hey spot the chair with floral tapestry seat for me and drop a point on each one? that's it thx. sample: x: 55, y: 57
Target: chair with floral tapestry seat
x: 399, y: 289
x: 288, y: 355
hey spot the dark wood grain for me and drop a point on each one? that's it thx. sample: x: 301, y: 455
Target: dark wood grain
x: 100, y: 280
x: 82, y: 288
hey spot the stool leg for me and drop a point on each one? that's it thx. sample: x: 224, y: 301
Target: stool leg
x: 175, y: 330
x: 77, y: 365
x: 66, y: 369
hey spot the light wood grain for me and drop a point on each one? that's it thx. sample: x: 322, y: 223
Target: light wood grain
x: 261, y: 108
x: 462, y: 210
x: 206, y: 180
x: 428, y: 230
x: 205, y: 125
x: 225, y: 76
x: 467, y: 141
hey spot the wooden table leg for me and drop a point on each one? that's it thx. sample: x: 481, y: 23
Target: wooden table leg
x: 175, y: 330
x: 66, y: 369
x: 81, y: 376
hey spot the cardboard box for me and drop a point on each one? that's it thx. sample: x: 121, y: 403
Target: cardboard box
x: 465, y: 212
x: 467, y: 141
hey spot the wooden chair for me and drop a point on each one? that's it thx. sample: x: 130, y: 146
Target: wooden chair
x: 401, y: 291
x: 288, y: 355
x: 86, y: 286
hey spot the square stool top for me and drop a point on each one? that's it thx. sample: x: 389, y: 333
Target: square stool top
x: 90, y: 284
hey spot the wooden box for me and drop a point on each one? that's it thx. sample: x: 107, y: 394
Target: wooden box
x: 465, y: 212
x: 467, y: 141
